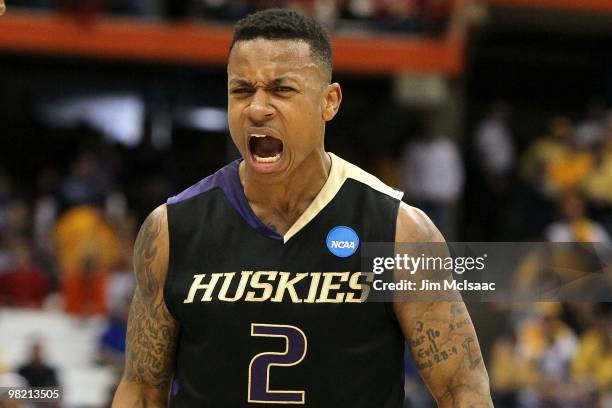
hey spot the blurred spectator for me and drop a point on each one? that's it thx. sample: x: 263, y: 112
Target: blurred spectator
x: 399, y: 15
x: 9, y: 380
x: 358, y: 9
x: 141, y: 8
x: 547, y: 346
x: 555, y: 359
x: 6, y: 194
x: 494, y: 147
x: 111, y: 348
x: 16, y: 220
x: 46, y: 208
x: 226, y: 10
x: 589, y: 133
x: 87, y: 249
x: 436, y: 14
x: 86, y: 183
x: 537, y: 197
x: 567, y: 172
x: 121, y: 282
x: 432, y: 175
x: 543, y: 151
x: 597, y: 185
x: 25, y: 284
x: 326, y: 11
x: 575, y: 225
x: 592, y: 365
x: 36, y: 370
x: 507, y: 371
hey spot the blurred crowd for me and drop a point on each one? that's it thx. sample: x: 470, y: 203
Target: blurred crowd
x: 69, y: 248
x: 557, y: 188
x: 409, y: 16
x: 553, y: 355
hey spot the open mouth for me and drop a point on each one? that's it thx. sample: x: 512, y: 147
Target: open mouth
x: 265, y: 148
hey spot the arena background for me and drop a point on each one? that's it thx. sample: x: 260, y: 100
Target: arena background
x: 493, y: 115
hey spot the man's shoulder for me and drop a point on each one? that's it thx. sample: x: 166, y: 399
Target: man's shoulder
x: 343, y: 170
x: 413, y: 225
x: 220, y: 179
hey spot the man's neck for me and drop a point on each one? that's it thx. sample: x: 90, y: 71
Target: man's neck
x: 281, y: 203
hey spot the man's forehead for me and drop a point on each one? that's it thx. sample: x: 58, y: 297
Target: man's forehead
x: 282, y: 56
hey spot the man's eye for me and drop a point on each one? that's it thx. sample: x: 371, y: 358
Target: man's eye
x: 238, y: 91
x: 283, y: 89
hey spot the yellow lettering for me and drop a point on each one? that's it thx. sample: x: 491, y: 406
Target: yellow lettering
x: 244, y: 278
x: 314, y: 286
x: 285, y: 284
x: 363, y: 288
x: 328, y: 285
x: 197, y: 285
x: 256, y: 284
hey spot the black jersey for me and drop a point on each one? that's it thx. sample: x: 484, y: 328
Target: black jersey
x: 271, y: 320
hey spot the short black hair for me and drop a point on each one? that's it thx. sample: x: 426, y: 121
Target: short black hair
x: 283, y: 24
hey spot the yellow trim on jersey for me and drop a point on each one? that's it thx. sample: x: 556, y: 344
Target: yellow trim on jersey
x: 340, y: 171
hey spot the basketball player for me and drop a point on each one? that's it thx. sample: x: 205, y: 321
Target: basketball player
x: 245, y: 279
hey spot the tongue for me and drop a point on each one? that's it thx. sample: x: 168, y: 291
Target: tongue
x: 266, y: 146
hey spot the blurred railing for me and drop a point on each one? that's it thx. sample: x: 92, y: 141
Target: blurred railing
x: 584, y: 5
x: 199, y: 43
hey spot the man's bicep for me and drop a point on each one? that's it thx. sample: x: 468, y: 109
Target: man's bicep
x: 152, y: 331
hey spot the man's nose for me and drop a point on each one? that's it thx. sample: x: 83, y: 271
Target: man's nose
x: 259, y: 109
x: 2, y: 7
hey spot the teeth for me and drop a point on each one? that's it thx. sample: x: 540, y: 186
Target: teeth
x: 272, y: 159
x: 257, y: 135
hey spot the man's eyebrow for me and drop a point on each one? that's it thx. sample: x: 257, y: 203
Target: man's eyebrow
x: 280, y: 80
x: 241, y: 82
x: 274, y: 82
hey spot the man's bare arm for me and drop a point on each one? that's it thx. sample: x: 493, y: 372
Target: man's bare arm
x: 440, y: 334
x: 152, y: 331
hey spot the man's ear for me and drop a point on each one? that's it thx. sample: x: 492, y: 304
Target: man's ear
x: 331, y: 102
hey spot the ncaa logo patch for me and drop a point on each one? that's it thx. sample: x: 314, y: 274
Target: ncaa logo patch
x: 342, y: 241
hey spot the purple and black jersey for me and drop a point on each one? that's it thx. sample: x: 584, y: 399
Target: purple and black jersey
x: 279, y: 320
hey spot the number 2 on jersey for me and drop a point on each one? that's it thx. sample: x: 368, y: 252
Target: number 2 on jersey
x: 259, y: 367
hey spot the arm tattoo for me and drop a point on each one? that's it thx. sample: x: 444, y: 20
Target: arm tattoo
x: 152, y: 332
x: 151, y: 342
x: 446, y: 339
x: 440, y: 334
x: 146, y: 252
x: 468, y: 344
